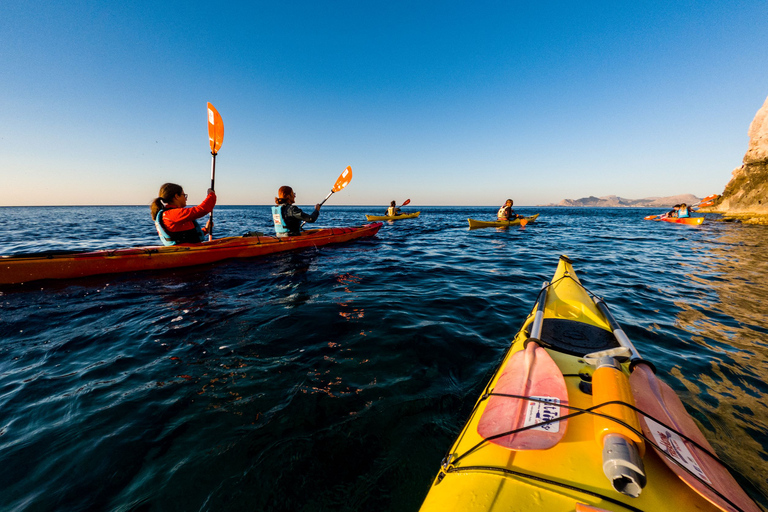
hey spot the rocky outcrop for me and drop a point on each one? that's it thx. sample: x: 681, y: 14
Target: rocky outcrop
x: 616, y: 201
x: 746, y: 196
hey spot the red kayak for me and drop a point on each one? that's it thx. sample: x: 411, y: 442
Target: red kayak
x: 33, y: 267
x: 691, y: 221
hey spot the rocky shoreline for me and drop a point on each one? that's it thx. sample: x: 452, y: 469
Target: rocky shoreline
x: 745, y: 198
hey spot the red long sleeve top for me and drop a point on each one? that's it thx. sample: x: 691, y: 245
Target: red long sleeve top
x: 180, y: 219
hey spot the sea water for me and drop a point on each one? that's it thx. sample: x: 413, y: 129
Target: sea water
x: 336, y: 378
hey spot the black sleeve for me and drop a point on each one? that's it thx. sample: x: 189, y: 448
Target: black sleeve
x: 296, y: 213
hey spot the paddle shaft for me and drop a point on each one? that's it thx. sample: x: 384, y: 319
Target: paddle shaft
x: 618, y: 332
x: 326, y: 198
x: 213, y: 180
x: 538, y: 319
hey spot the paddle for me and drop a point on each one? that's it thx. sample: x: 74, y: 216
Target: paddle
x: 406, y: 202
x: 344, y: 178
x: 216, y: 137
x: 532, y: 373
x: 703, y: 473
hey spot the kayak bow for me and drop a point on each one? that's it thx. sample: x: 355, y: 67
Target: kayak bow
x: 33, y: 267
x: 557, y: 429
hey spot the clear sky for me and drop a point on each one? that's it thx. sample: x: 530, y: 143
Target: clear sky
x: 445, y: 103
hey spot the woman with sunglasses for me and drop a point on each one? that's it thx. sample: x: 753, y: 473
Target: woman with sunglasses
x: 175, y: 222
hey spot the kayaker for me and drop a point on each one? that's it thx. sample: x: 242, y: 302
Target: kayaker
x: 671, y: 214
x: 287, y: 217
x: 393, y: 210
x: 175, y: 222
x: 507, y: 213
x: 683, y: 212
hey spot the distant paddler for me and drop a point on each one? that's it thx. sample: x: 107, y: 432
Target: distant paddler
x: 506, y: 212
x: 394, y: 210
x: 176, y: 223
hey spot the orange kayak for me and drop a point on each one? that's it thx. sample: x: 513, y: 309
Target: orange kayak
x: 691, y: 221
x: 33, y: 267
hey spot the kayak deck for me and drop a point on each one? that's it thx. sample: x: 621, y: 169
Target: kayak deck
x: 481, y: 474
x: 33, y: 267
x: 396, y: 217
x: 474, y: 223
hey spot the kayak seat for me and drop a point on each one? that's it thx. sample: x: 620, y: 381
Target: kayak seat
x: 575, y: 338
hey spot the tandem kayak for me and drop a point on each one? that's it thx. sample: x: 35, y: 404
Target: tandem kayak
x: 396, y: 217
x: 474, y: 224
x: 33, y: 267
x: 691, y: 221
x: 575, y: 419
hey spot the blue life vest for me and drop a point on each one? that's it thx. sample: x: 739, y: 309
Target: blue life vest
x: 683, y: 213
x: 277, y: 217
x: 190, y: 236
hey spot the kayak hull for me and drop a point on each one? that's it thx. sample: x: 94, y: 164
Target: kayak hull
x: 34, y: 267
x: 396, y: 217
x: 690, y: 221
x: 480, y: 474
x: 475, y: 224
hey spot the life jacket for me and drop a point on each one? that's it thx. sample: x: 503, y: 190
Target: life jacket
x: 281, y: 228
x: 502, y: 213
x: 190, y: 236
x: 683, y: 213
x: 392, y: 211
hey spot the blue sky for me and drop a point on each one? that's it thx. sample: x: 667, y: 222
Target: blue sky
x: 445, y: 103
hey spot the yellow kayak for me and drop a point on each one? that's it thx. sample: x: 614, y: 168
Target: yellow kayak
x: 396, y: 217
x: 474, y: 223
x: 575, y: 420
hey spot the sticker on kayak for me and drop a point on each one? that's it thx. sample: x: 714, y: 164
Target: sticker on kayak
x: 673, y: 445
x: 539, y: 412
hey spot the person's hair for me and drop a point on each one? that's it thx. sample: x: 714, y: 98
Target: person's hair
x: 282, y: 194
x: 509, y: 201
x: 677, y: 206
x: 393, y: 203
x: 683, y: 204
x: 167, y: 192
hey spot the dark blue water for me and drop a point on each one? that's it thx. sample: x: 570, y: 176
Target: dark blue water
x: 336, y: 378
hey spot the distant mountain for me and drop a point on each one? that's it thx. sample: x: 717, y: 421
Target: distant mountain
x: 616, y: 201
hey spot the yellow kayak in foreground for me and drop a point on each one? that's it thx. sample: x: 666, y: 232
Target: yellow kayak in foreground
x: 575, y: 420
x: 395, y: 217
x: 474, y: 223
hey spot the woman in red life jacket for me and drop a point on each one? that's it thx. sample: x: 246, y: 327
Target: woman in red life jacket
x: 175, y: 222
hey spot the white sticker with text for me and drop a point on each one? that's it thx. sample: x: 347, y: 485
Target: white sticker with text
x: 674, y: 446
x: 539, y: 412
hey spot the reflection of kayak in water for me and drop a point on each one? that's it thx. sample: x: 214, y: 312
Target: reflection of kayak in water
x: 32, y: 267
x: 474, y: 224
x: 395, y: 217
x: 575, y: 420
x: 691, y: 221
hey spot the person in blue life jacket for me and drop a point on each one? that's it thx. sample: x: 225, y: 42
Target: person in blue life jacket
x: 683, y: 212
x: 287, y: 217
x: 506, y: 212
x: 393, y: 210
x: 176, y: 223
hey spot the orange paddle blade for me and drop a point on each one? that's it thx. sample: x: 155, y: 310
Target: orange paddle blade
x: 523, y: 222
x: 531, y: 373
x: 407, y: 201
x: 659, y: 401
x: 215, y: 129
x: 344, y: 179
